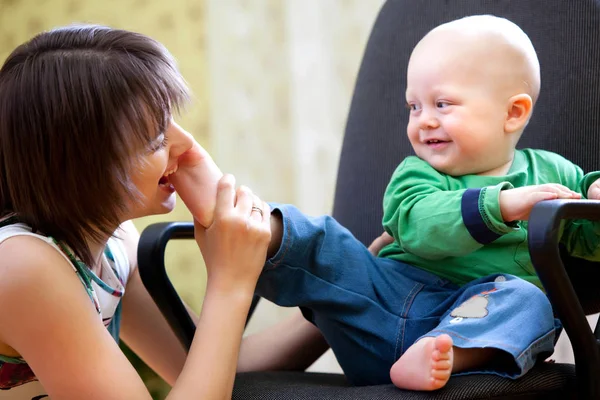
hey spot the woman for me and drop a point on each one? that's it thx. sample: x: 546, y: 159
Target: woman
x: 87, y: 143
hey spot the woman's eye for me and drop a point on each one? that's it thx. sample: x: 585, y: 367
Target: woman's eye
x: 163, y: 143
x: 159, y: 144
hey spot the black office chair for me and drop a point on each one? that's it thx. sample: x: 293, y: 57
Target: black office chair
x: 566, y: 35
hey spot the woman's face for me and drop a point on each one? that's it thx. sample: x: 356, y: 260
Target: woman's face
x: 157, y: 194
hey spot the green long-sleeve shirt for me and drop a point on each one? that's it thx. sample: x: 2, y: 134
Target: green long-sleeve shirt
x: 452, y: 226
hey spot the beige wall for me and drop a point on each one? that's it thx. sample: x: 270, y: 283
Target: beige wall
x: 281, y: 79
x: 272, y: 81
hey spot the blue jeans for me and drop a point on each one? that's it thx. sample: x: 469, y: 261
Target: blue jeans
x: 370, y: 309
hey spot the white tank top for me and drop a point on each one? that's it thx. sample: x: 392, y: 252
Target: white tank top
x: 17, y: 381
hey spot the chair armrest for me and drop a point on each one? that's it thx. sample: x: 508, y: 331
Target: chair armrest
x: 543, y: 232
x: 151, y: 264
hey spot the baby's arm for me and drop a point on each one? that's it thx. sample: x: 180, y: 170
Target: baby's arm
x: 196, y: 182
x: 432, y: 218
x: 516, y: 204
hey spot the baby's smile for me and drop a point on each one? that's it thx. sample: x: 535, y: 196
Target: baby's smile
x: 437, y: 144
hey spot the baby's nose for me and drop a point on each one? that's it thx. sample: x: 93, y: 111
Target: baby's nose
x: 427, y: 120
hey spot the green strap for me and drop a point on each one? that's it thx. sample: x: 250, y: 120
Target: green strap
x: 12, y: 360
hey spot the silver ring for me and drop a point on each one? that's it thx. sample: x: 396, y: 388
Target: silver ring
x: 260, y: 211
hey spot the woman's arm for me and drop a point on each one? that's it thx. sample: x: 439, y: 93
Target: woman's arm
x: 143, y: 327
x: 48, y: 318
x: 234, y: 248
x: 298, y: 343
x: 292, y: 344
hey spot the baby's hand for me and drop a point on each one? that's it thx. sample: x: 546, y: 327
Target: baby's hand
x: 516, y: 204
x: 380, y: 242
x: 196, y: 182
x: 594, y: 190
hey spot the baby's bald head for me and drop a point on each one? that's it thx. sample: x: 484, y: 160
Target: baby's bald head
x: 484, y: 46
x: 471, y: 85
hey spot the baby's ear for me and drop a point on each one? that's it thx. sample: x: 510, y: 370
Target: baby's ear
x: 518, y: 113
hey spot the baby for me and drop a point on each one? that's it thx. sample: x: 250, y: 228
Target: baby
x: 456, y: 291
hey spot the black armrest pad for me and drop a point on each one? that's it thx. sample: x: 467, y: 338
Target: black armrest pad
x: 543, y: 232
x: 151, y: 264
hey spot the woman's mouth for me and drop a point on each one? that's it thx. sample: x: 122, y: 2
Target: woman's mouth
x: 166, y: 185
x: 165, y: 178
x: 164, y: 181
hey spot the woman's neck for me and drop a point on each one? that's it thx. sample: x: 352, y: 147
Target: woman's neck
x: 97, y: 250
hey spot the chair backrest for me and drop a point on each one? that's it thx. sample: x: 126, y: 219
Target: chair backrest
x: 566, y: 35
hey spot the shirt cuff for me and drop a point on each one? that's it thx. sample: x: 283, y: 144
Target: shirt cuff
x: 587, y: 181
x: 481, y: 214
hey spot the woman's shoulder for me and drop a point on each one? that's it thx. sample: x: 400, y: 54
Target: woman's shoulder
x: 18, y: 229
x: 32, y: 272
x: 25, y: 262
x: 21, y: 249
x: 39, y: 296
x: 19, y: 244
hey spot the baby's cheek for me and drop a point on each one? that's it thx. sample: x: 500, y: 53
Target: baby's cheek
x: 412, y: 131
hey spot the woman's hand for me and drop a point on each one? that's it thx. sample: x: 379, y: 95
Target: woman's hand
x: 235, y: 245
x: 379, y: 243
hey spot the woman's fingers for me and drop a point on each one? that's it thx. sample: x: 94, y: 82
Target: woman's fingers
x: 257, y: 212
x: 225, y: 195
x: 234, y: 247
x: 244, y: 200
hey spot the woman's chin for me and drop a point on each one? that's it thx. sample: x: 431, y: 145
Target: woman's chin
x: 165, y: 207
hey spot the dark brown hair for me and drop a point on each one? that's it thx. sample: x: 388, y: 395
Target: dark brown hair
x: 77, y: 105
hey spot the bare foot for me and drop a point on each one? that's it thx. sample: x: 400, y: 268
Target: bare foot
x: 426, y: 365
x: 196, y: 181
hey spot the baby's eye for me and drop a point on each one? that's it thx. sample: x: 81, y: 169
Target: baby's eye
x: 442, y: 104
x: 413, y: 107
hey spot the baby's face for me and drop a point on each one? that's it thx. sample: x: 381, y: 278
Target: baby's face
x: 457, y: 111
